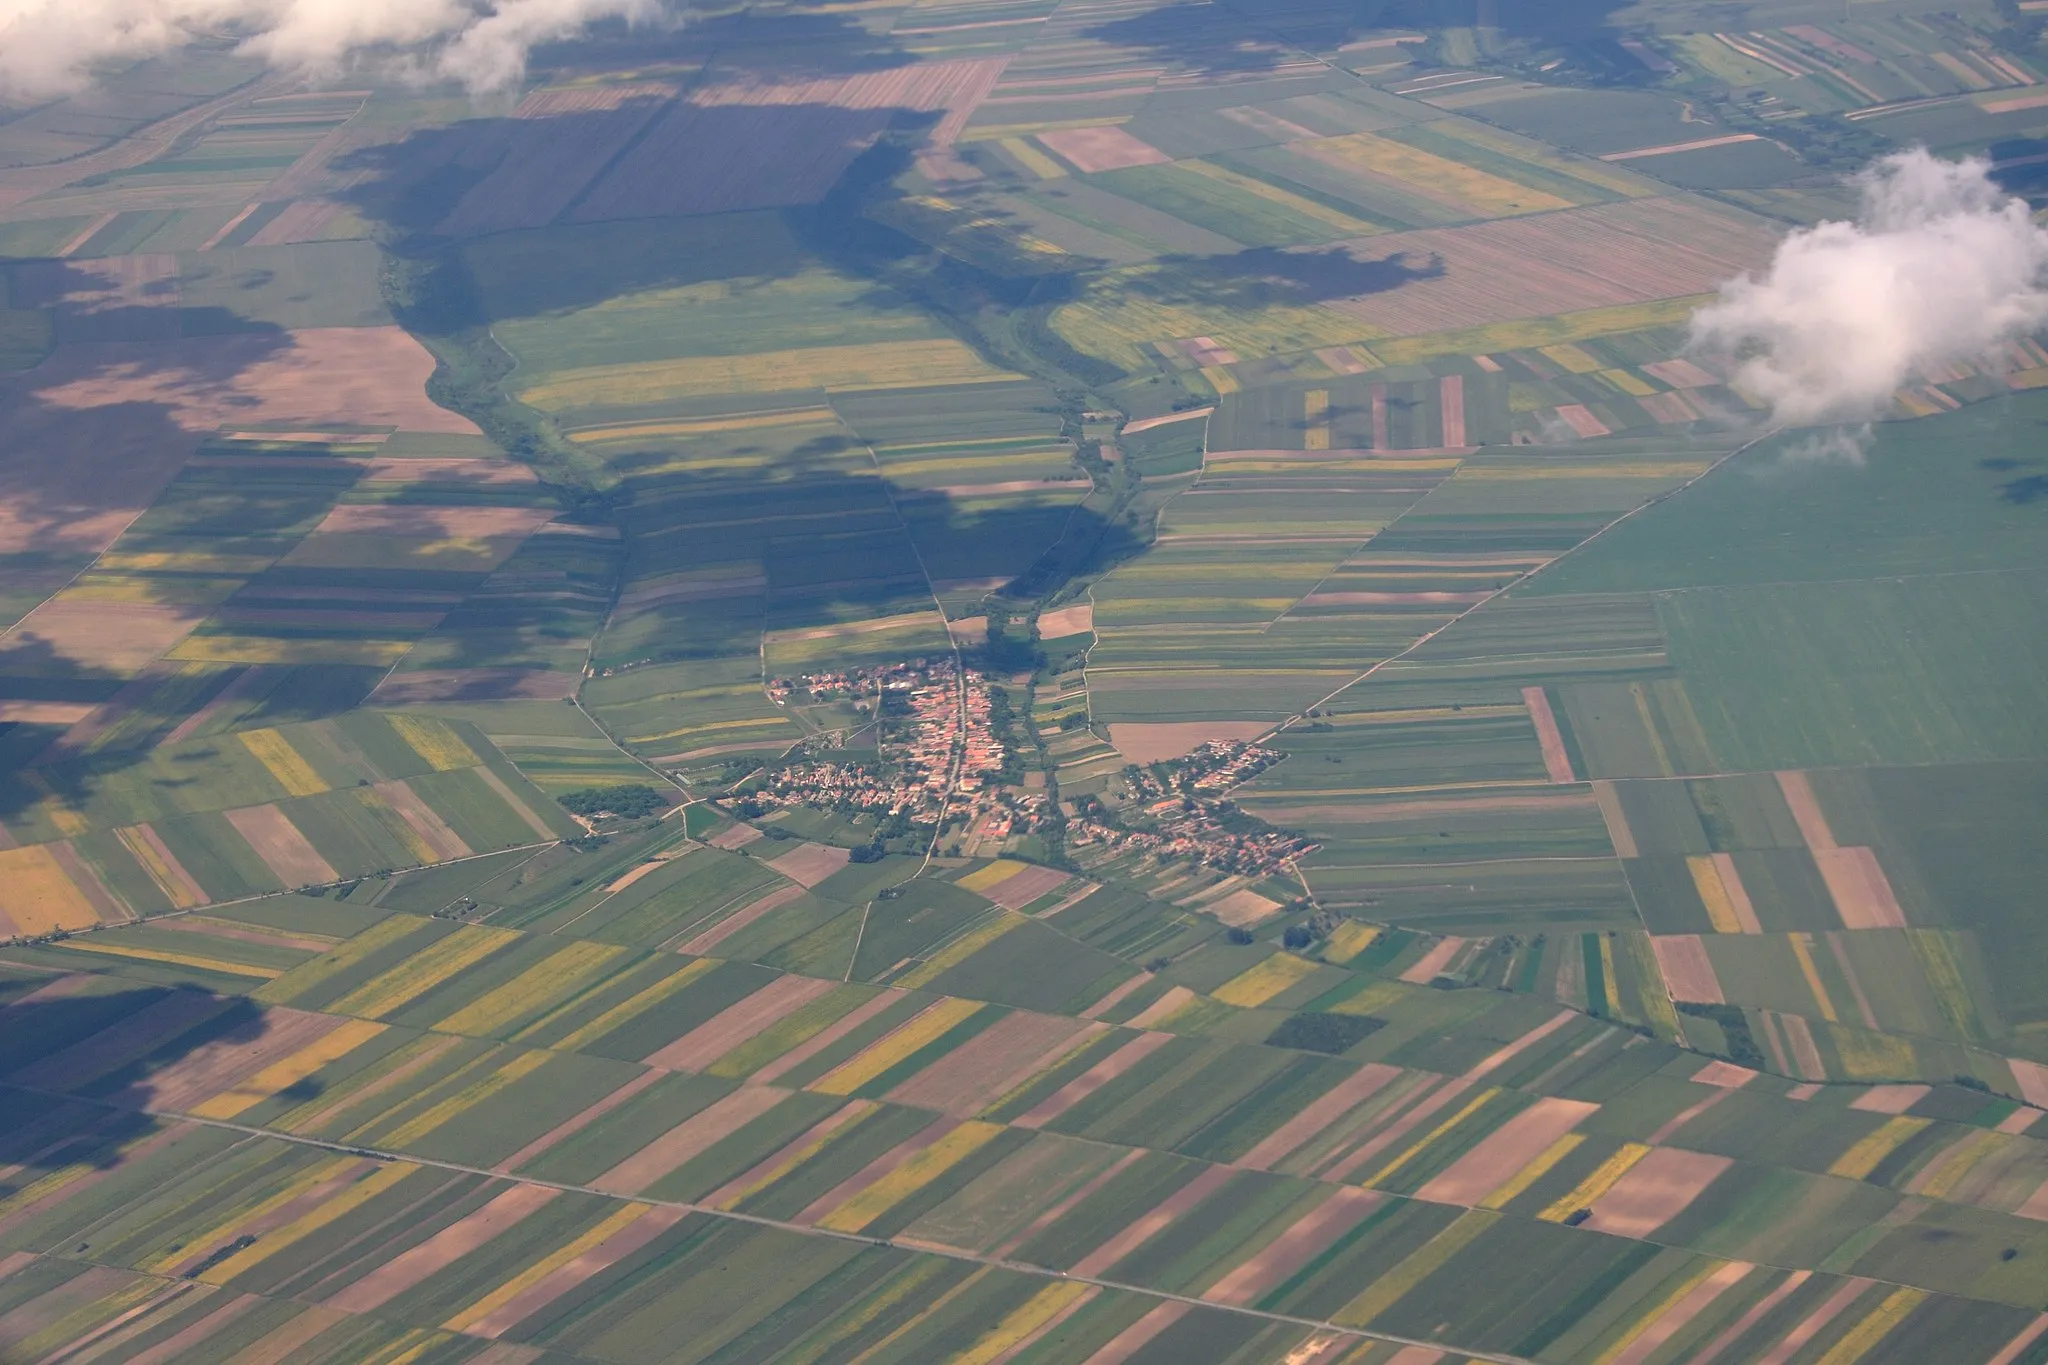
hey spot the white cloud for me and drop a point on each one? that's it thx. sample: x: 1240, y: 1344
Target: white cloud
x: 1939, y: 266
x: 53, y: 47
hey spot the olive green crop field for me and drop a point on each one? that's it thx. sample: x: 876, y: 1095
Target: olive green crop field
x: 1013, y: 682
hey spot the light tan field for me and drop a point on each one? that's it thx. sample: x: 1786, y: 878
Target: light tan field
x: 732, y: 1026
x: 811, y: 863
x: 93, y: 636
x: 1655, y: 1191
x: 978, y: 1071
x: 1688, y: 972
x: 1108, y: 148
x: 688, y: 1138
x: 1155, y: 742
x: 1506, y: 1150
x: 1294, y: 1248
x: 1075, y: 620
x: 1092, y: 1080
x: 1861, y: 891
x: 279, y: 844
x: 1556, y: 760
x: 443, y: 1249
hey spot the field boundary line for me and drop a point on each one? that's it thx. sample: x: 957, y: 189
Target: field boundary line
x: 803, y: 1229
x: 1522, y: 581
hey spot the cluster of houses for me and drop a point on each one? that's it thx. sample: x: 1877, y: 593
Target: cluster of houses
x: 1181, y: 815
x: 939, y: 754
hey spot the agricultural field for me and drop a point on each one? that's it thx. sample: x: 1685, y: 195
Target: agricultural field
x: 1052, y: 681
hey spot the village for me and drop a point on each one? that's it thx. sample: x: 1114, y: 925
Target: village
x: 1169, y: 817
x: 944, y: 758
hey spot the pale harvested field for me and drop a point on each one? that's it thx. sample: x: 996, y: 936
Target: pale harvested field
x: 1813, y: 823
x: 779, y: 1161
x: 1092, y: 1080
x: 96, y: 636
x: 1165, y: 1007
x: 45, y: 712
x: 180, y: 885
x: 1720, y: 888
x: 1655, y: 1191
x: 474, y: 684
x: 1319, y: 1114
x: 361, y: 376
x: 443, y: 1249
x: 1139, y: 1335
x: 214, y: 1066
x: 1861, y: 891
x: 1107, y: 148
x: 394, y: 519
x: 1074, y: 620
x: 398, y: 469
x: 1016, y: 892
x: 689, y: 1138
x: 732, y: 1026
x: 1506, y: 1150
x: 1725, y: 1074
x: 978, y: 1071
x: 1241, y: 909
x: 1556, y: 760
x: 811, y: 863
x: 1687, y: 971
x: 1890, y: 1099
x: 1155, y: 742
x: 2031, y: 1078
x: 735, y: 836
x: 1294, y: 1248
x: 1561, y: 262
x: 279, y: 844
x: 423, y: 820
x: 1426, y: 967
x: 586, y: 99
x: 1616, y: 819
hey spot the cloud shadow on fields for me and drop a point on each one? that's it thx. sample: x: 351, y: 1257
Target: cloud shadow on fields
x: 90, y: 1115
x: 1270, y: 276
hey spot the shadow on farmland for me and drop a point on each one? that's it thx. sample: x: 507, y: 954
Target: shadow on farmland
x: 1267, y: 276
x: 78, y: 1071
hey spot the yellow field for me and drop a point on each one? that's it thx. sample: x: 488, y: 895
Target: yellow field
x: 1802, y: 951
x: 1273, y: 194
x: 435, y: 741
x: 1598, y: 1183
x: 1706, y: 879
x: 959, y: 950
x: 285, y: 763
x: 1533, y: 1172
x: 638, y: 1003
x: 181, y: 591
x: 159, y: 872
x: 1572, y: 358
x: 705, y: 426
x: 1435, y: 177
x: 307, y: 975
x: 1348, y: 940
x: 1425, y: 1261
x: 1863, y: 1158
x: 1529, y: 333
x: 547, y: 1265
x: 1275, y: 976
x: 265, y: 649
x: 981, y: 879
x: 1036, y: 1311
x: 68, y: 820
x: 36, y: 894
x: 343, y: 1204
x: 423, y: 971
x: 1957, y: 1161
x: 119, y: 948
x: 1663, y: 1304
x: 857, y: 1071
x: 912, y: 1176
x: 1628, y: 382
x: 559, y: 974
x: 882, y: 365
x: 288, y: 1071
x: 420, y: 1124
